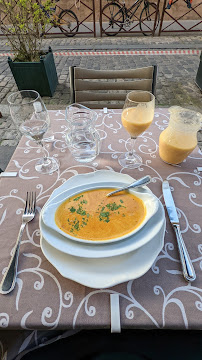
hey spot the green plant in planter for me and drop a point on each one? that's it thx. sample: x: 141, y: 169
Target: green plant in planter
x: 23, y: 23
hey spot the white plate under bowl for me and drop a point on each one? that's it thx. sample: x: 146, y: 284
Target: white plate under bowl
x: 150, y: 201
x: 132, y: 243
x: 107, y: 272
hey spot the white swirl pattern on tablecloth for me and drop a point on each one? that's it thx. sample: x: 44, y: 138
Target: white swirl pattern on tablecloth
x: 73, y: 305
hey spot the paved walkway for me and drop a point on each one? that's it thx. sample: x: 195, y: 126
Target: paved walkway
x: 176, y: 71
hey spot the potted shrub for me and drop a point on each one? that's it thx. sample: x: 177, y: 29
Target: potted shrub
x: 23, y: 23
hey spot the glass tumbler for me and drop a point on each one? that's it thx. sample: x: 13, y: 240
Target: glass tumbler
x: 80, y: 117
x: 84, y: 144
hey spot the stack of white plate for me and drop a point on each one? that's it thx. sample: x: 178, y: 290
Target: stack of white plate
x: 106, y: 264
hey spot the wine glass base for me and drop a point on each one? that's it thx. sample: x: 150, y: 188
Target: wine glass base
x: 47, y: 167
x: 130, y: 162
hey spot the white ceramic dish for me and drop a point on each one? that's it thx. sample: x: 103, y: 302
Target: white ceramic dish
x: 107, y: 272
x: 78, y: 249
x: 150, y: 201
x: 100, y: 251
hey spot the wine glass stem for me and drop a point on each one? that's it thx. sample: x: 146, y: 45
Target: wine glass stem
x: 40, y: 143
x: 131, y: 152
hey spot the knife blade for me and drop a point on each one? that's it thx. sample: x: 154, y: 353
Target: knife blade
x: 187, y: 267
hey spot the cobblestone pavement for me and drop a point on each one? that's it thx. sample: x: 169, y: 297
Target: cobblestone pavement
x: 175, y: 82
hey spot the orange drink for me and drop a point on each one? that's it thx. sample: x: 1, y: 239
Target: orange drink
x: 179, y: 139
x: 137, y: 119
x: 174, y: 151
x: 137, y: 115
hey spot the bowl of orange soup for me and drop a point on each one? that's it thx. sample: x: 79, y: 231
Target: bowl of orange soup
x: 88, y: 215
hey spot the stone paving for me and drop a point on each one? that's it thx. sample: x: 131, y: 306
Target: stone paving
x: 175, y: 82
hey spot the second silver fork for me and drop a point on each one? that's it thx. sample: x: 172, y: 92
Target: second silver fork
x: 9, y: 279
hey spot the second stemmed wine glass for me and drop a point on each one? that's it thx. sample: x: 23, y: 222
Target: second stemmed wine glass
x: 31, y: 118
x: 137, y: 116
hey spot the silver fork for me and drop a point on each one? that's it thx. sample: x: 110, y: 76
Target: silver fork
x: 9, y: 279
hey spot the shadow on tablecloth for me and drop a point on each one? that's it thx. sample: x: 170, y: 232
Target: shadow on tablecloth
x: 129, y: 345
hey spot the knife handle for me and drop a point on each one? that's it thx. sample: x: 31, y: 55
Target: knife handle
x: 187, y: 267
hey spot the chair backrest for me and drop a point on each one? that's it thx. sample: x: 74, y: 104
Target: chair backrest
x: 108, y: 88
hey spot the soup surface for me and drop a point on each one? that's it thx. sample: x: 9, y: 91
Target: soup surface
x: 91, y: 215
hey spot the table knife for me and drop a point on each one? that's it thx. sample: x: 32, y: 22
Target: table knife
x: 199, y: 139
x: 187, y: 267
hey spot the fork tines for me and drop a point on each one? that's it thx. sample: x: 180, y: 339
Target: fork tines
x: 30, y: 206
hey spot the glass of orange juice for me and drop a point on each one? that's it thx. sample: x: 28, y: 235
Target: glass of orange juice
x: 136, y: 117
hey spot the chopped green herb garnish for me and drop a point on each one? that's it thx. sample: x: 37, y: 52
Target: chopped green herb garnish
x: 76, y: 226
x: 78, y: 197
x: 80, y: 211
x: 113, y: 206
x: 84, y: 202
x: 104, y: 214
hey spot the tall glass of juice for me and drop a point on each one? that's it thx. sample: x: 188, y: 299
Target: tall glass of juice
x: 137, y: 116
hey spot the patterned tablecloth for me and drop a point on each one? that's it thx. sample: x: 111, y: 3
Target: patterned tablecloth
x: 42, y: 299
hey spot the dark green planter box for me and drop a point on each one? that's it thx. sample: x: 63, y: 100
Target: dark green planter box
x: 40, y: 76
x: 199, y: 74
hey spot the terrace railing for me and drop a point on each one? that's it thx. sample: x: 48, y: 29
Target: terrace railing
x: 129, y: 16
x: 70, y: 18
x: 187, y: 17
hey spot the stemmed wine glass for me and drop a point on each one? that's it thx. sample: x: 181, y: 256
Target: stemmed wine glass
x: 137, y: 116
x: 31, y: 118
